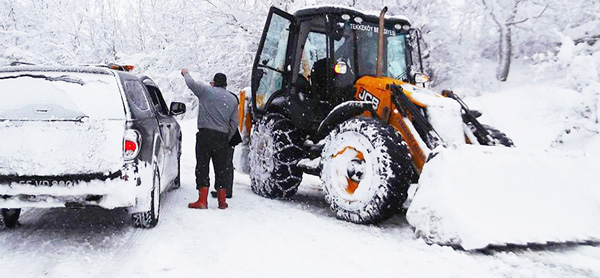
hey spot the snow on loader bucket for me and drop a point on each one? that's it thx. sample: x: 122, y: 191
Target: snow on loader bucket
x: 487, y: 192
x: 478, y: 196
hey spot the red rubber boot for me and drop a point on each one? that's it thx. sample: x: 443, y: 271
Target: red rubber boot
x: 202, y: 203
x: 221, y: 196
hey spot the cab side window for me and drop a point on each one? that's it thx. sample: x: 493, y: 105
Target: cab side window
x: 315, y: 49
x: 269, y: 71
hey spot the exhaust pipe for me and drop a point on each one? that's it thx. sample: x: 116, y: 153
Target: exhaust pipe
x: 380, y: 42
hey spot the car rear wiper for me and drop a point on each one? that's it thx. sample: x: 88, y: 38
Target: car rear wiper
x: 64, y: 78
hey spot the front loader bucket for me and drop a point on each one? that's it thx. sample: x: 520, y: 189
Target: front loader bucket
x: 479, y: 196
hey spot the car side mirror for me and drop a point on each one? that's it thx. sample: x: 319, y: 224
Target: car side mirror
x: 177, y: 108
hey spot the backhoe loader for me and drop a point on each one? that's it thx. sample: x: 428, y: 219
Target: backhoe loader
x: 340, y: 93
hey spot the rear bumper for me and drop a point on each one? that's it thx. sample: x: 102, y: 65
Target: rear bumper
x: 109, y: 191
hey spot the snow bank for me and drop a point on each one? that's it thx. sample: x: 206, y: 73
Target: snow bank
x: 532, y: 115
x: 477, y: 195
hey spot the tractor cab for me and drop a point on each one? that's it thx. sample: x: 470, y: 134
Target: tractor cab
x: 309, y: 62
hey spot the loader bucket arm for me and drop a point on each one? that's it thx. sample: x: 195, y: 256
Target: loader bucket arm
x: 480, y: 132
x: 407, y: 108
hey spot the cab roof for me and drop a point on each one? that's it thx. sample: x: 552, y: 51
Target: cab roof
x: 314, y: 11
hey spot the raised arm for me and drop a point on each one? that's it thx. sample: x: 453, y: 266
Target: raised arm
x: 197, y: 88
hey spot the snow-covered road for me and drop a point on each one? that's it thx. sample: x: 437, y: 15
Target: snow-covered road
x: 256, y: 237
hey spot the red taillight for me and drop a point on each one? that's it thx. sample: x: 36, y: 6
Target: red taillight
x: 131, y: 144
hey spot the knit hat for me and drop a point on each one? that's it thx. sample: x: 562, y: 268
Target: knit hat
x: 220, y: 80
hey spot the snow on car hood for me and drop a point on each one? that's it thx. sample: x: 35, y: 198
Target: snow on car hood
x: 60, y: 123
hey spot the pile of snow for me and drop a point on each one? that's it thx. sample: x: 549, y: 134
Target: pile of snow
x: 544, y: 190
x: 475, y: 196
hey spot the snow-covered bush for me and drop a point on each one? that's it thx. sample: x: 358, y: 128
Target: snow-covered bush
x: 575, y: 64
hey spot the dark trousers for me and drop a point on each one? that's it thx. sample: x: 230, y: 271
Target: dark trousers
x: 213, y: 145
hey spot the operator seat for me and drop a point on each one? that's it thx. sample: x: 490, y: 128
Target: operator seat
x: 303, y: 86
x: 318, y: 78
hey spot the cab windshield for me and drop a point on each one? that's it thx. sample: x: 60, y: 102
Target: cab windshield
x: 355, y: 44
x: 357, y: 47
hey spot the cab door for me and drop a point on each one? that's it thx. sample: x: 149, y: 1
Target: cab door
x: 269, y: 69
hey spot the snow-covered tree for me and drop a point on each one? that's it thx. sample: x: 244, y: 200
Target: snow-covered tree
x: 506, y: 15
x: 461, y: 39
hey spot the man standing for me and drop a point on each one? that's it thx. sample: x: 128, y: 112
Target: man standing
x: 217, y: 124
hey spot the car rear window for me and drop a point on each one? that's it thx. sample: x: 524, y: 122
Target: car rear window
x: 59, y: 96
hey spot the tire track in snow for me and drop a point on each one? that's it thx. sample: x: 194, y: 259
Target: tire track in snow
x: 48, y: 239
x: 554, y: 260
x: 139, y: 241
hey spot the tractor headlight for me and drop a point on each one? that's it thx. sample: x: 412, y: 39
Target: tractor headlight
x: 341, y: 68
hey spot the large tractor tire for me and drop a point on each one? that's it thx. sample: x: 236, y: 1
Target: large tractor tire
x: 499, y: 138
x: 274, y: 152
x: 366, y: 170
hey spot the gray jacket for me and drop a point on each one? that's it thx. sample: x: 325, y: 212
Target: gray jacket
x: 217, y: 107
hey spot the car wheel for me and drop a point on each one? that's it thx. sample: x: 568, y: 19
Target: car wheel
x: 9, y: 218
x: 366, y: 170
x: 149, y: 218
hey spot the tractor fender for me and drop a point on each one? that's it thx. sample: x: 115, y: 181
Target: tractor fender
x: 343, y: 112
x: 245, y: 114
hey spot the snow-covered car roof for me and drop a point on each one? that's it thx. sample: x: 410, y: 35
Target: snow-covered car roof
x: 59, y: 93
x: 83, y: 69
